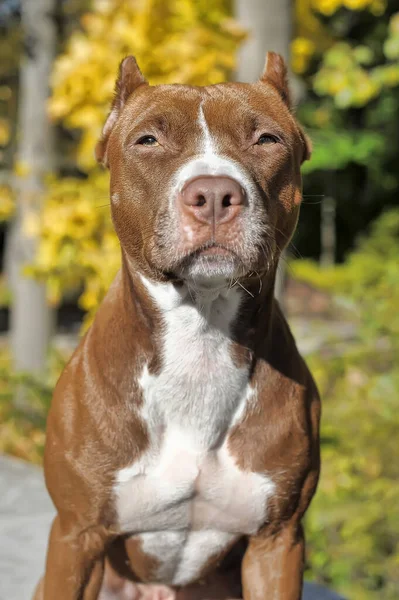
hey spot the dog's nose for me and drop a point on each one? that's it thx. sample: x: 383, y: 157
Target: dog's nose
x: 212, y: 199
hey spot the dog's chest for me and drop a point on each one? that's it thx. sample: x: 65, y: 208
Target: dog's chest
x: 186, y: 504
x: 199, y: 386
x: 186, y: 499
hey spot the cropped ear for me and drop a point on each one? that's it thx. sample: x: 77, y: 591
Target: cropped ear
x: 275, y: 72
x: 129, y: 79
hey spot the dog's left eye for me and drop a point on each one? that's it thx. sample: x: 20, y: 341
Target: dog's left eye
x: 148, y: 140
x: 267, y: 139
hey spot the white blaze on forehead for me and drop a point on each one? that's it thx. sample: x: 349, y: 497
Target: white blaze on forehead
x: 209, y: 161
x: 208, y: 142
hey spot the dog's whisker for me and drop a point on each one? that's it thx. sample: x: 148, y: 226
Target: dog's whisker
x: 244, y: 288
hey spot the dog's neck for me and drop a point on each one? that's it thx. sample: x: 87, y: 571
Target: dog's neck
x: 245, y: 305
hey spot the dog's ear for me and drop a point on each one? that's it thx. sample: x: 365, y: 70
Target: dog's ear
x: 275, y: 72
x: 129, y: 79
x: 307, y: 145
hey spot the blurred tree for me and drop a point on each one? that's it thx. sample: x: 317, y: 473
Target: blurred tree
x: 352, y: 109
x: 269, y: 27
x: 31, y: 317
x: 10, y: 43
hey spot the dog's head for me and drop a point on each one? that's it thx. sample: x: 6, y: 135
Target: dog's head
x: 205, y: 181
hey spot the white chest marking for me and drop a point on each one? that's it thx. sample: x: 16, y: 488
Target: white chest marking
x: 186, y: 498
x: 199, y: 386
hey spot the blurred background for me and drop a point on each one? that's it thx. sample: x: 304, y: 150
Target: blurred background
x: 339, y: 281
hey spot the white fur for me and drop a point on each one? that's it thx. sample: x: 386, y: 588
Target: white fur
x: 210, y: 162
x: 208, y: 142
x: 186, y: 498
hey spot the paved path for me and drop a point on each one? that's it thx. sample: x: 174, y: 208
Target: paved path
x: 25, y: 516
x: 26, y: 512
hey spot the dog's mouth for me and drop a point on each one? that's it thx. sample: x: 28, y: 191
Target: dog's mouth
x: 211, y: 260
x: 214, y: 250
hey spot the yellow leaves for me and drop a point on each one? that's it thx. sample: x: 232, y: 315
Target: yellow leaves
x: 22, y: 169
x: 394, y: 24
x: 343, y: 76
x: 4, y: 132
x: 182, y: 41
x: 102, y: 267
x: 58, y: 107
x: 302, y: 50
x: 31, y: 224
x: 85, y: 153
x: 387, y: 75
x: 93, y: 24
x: 329, y: 7
x: 78, y: 247
x: 7, y: 203
x: 18, y: 435
x: 186, y: 41
x: 21, y: 439
x: 312, y: 35
x: 376, y: 7
x: 5, y: 93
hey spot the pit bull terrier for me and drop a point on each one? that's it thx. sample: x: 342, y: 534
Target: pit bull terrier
x: 182, y: 442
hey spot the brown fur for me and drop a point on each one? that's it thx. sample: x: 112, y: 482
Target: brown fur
x: 94, y: 425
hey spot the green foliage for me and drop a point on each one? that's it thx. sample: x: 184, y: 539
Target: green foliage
x: 351, y: 112
x: 353, y: 524
x: 334, y: 150
x: 353, y: 75
x: 22, y: 432
x: 369, y: 278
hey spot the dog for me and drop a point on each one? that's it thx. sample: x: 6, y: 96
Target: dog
x: 183, y: 438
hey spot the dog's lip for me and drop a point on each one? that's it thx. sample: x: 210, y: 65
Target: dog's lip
x: 214, y: 250
x: 211, y: 252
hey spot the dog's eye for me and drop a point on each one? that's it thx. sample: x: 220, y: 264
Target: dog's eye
x: 267, y: 139
x: 148, y: 140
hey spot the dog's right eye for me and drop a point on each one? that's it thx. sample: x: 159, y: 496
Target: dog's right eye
x: 148, y: 140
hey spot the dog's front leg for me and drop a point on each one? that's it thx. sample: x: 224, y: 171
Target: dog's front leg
x: 272, y: 566
x: 75, y: 565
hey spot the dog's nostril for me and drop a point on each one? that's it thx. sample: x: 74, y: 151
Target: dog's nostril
x: 226, y: 200
x: 201, y: 200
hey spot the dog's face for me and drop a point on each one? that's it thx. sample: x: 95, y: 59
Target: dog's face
x: 205, y: 181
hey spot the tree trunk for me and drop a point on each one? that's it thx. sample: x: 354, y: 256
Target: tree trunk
x: 269, y: 26
x: 327, y: 234
x: 31, y: 318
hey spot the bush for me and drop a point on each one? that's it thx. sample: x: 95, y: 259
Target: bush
x: 353, y: 523
x: 22, y: 432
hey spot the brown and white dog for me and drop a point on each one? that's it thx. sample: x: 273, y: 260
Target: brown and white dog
x: 182, y: 442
